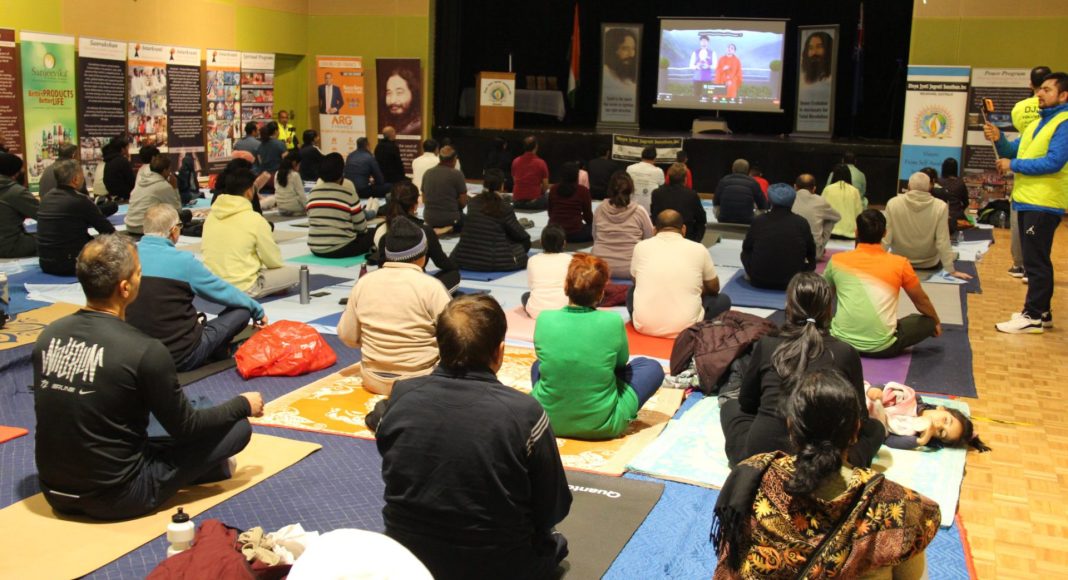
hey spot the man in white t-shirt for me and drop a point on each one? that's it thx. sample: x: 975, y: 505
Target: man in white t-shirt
x: 675, y: 282
x: 646, y: 176
x: 428, y: 159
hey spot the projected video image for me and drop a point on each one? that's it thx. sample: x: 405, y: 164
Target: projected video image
x: 720, y: 65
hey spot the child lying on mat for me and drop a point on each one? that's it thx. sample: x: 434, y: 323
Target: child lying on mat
x: 911, y: 423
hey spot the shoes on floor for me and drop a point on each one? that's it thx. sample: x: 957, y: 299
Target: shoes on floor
x: 1022, y: 324
x: 1016, y: 272
x: 1047, y: 320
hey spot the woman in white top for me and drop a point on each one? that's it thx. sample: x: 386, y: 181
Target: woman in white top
x: 289, y: 187
x: 546, y: 273
x: 846, y: 200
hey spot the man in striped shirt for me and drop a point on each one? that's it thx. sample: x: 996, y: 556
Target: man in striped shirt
x: 337, y: 224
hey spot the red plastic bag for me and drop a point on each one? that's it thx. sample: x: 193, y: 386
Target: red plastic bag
x: 284, y: 348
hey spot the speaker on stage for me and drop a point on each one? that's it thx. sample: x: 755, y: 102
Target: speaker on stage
x: 496, y: 100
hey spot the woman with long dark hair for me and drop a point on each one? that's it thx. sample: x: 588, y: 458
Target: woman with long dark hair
x: 492, y: 239
x: 404, y: 201
x: 754, y: 422
x: 289, y: 195
x: 570, y: 205
x: 619, y: 224
x: 811, y: 514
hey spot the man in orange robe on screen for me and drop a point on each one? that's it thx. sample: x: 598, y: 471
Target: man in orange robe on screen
x: 729, y: 72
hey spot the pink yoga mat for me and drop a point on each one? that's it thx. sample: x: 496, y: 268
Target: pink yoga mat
x: 879, y: 371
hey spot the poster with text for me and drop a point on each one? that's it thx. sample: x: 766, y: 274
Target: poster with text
x: 10, y: 94
x: 102, y: 99
x: 341, y: 102
x: 629, y: 148
x: 185, y: 122
x: 817, y: 66
x: 49, y: 108
x: 621, y: 49
x: 257, y: 87
x: 936, y: 107
x: 400, y: 104
x: 1005, y: 87
x: 146, y: 100
x: 223, y: 97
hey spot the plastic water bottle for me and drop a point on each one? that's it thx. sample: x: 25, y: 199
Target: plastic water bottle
x: 305, y: 285
x: 180, y: 533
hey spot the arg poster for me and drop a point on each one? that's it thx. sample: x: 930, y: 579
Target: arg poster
x: 817, y: 67
x: 1004, y: 87
x: 257, y: 87
x: 185, y: 131
x: 49, y: 108
x: 621, y: 49
x: 10, y: 94
x: 341, y: 102
x: 936, y: 106
x: 223, y: 98
x: 400, y: 104
x: 101, y: 106
x: 146, y: 101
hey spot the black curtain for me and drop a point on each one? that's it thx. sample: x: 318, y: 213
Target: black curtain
x: 477, y: 35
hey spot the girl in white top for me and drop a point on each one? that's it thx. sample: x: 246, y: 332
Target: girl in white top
x: 546, y: 273
x: 289, y: 187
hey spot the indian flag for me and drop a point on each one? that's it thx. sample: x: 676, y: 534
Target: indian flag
x: 573, y: 72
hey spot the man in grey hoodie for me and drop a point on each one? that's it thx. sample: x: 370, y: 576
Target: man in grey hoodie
x: 153, y: 187
x: 917, y: 227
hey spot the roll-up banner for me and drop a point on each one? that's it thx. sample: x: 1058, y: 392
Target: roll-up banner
x: 147, y: 97
x: 102, y: 99
x: 257, y: 87
x: 400, y: 104
x: 10, y: 95
x: 817, y: 66
x: 621, y: 50
x: 1005, y: 87
x: 223, y: 97
x: 185, y: 131
x: 341, y: 102
x: 936, y: 108
x: 49, y: 108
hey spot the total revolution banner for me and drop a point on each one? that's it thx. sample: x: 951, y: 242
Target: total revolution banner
x: 341, y: 102
x: 147, y: 98
x: 818, y: 63
x: 224, y: 106
x: 257, y: 87
x: 48, y: 89
x: 936, y: 106
x: 1005, y: 87
x: 185, y: 132
x: 400, y: 104
x: 621, y: 47
x: 10, y: 94
x: 102, y: 98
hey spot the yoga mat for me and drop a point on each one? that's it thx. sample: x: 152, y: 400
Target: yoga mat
x: 314, y: 260
x: 316, y: 282
x: 483, y: 276
x: 25, y: 327
x: 945, y: 297
x: 727, y: 253
x: 640, y: 344
x: 88, y: 545
x: 190, y: 377
x: 743, y: 293
x: 283, y: 236
x: 936, y: 276
x: 9, y: 433
x: 978, y: 234
x: 879, y: 371
x: 943, y: 364
x: 337, y: 405
x: 605, y: 513
x: 19, y: 300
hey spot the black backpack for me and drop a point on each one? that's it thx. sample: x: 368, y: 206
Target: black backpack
x: 996, y: 213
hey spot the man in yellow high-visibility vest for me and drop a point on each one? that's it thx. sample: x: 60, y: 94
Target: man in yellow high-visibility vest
x: 1039, y: 160
x: 1024, y: 112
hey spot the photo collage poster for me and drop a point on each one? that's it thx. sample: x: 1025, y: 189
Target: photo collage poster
x: 146, y: 116
x: 223, y: 98
x: 257, y: 87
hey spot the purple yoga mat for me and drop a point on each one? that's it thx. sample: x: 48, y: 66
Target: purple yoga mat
x: 879, y: 371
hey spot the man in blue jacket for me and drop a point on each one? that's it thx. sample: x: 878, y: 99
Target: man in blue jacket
x: 361, y: 168
x: 171, y: 279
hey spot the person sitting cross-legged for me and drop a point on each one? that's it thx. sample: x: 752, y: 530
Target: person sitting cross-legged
x: 392, y: 312
x: 473, y: 480
x: 583, y: 376
x: 821, y: 216
x: 917, y: 227
x: 675, y: 281
x: 97, y: 379
x: 492, y: 239
x: 64, y: 218
x: 779, y: 243
x: 619, y: 224
x: 17, y: 205
x: 170, y: 280
x: 681, y: 198
x: 868, y: 282
x: 337, y: 223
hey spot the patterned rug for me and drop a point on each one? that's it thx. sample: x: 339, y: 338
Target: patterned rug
x: 337, y: 405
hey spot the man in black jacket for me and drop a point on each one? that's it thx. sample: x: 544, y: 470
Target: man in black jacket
x: 601, y: 169
x: 119, y: 178
x: 97, y: 379
x: 311, y: 157
x: 388, y: 156
x: 17, y: 205
x: 736, y: 196
x: 63, y: 220
x: 474, y: 483
x: 675, y: 195
x: 779, y: 244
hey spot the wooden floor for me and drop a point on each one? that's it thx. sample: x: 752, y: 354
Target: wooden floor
x: 1015, y: 500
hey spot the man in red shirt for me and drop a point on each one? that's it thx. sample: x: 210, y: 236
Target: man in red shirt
x: 530, y: 175
x: 681, y: 157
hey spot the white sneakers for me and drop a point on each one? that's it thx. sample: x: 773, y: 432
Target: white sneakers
x: 1022, y: 324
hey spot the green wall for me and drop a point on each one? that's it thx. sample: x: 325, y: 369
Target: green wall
x: 987, y: 42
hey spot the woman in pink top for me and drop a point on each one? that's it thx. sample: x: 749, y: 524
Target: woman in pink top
x: 619, y: 224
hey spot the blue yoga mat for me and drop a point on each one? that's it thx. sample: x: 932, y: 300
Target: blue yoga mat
x: 19, y: 297
x: 943, y: 364
x: 742, y: 293
x: 316, y: 282
x: 970, y: 286
x: 484, y: 276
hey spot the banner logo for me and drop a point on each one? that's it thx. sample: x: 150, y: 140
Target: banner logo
x: 498, y: 92
x: 934, y: 122
x: 49, y: 61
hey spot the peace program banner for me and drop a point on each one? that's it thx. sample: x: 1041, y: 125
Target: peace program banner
x: 936, y: 107
x: 102, y: 100
x: 49, y: 108
x: 400, y: 104
x: 817, y: 66
x: 224, y: 106
x: 1006, y: 87
x: 185, y: 131
x: 10, y: 94
x: 147, y: 98
x: 341, y: 102
x: 257, y: 87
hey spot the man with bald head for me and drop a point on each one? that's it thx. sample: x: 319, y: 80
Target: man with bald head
x: 917, y: 227
x: 675, y: 281
x: 819, y: 214
x: 388, y: 156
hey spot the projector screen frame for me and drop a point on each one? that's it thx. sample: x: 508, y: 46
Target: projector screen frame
x: 714, y: 107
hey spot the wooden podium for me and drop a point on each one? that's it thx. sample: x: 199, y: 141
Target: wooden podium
x: 496, y: 100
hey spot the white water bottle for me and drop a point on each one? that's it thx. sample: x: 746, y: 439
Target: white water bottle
x: 180, y: 533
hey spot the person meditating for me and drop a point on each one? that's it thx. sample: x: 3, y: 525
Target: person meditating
x: 619, y: 224
x: 582, y: 376
x: 810, y: 514
x: 96, y: 380
x: 492, y: 239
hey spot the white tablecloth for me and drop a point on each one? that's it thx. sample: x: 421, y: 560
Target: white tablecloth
x: 526, y: 101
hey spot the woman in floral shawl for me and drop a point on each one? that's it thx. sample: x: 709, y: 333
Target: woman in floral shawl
x: 811, y: 515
